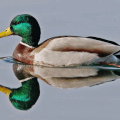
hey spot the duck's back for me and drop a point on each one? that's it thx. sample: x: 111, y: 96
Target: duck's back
x: 68, y: 50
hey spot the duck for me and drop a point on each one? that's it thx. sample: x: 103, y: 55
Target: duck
x: 59, y: 51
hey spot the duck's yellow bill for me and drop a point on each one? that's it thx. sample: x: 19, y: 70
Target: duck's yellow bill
x: 7, y: 32
x: 5, y: 90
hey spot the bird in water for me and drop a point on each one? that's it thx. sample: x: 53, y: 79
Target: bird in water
x: 59, y: 51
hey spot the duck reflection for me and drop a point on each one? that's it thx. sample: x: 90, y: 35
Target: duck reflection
x: 25, y: 97
x: 69, y: 77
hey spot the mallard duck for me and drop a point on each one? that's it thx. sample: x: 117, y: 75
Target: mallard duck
x: 59, y: 51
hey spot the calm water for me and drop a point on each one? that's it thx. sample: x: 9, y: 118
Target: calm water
x: 58, y: 93
x: 62, y: 96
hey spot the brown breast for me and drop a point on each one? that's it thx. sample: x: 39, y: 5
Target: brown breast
x: 23, y: 54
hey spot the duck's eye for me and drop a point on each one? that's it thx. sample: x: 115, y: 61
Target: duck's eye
x: 18, y: 23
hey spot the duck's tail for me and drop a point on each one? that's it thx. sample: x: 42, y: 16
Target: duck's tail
x: 117, y: 54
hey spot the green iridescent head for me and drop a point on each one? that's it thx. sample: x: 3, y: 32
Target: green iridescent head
x: 25, y: 26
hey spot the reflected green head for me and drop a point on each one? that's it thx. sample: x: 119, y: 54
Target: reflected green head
x: 25, y: 97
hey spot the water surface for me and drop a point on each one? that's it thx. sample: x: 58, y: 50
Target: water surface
x: 59, y: 92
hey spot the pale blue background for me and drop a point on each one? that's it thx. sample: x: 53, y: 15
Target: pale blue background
x: 99, y: 18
